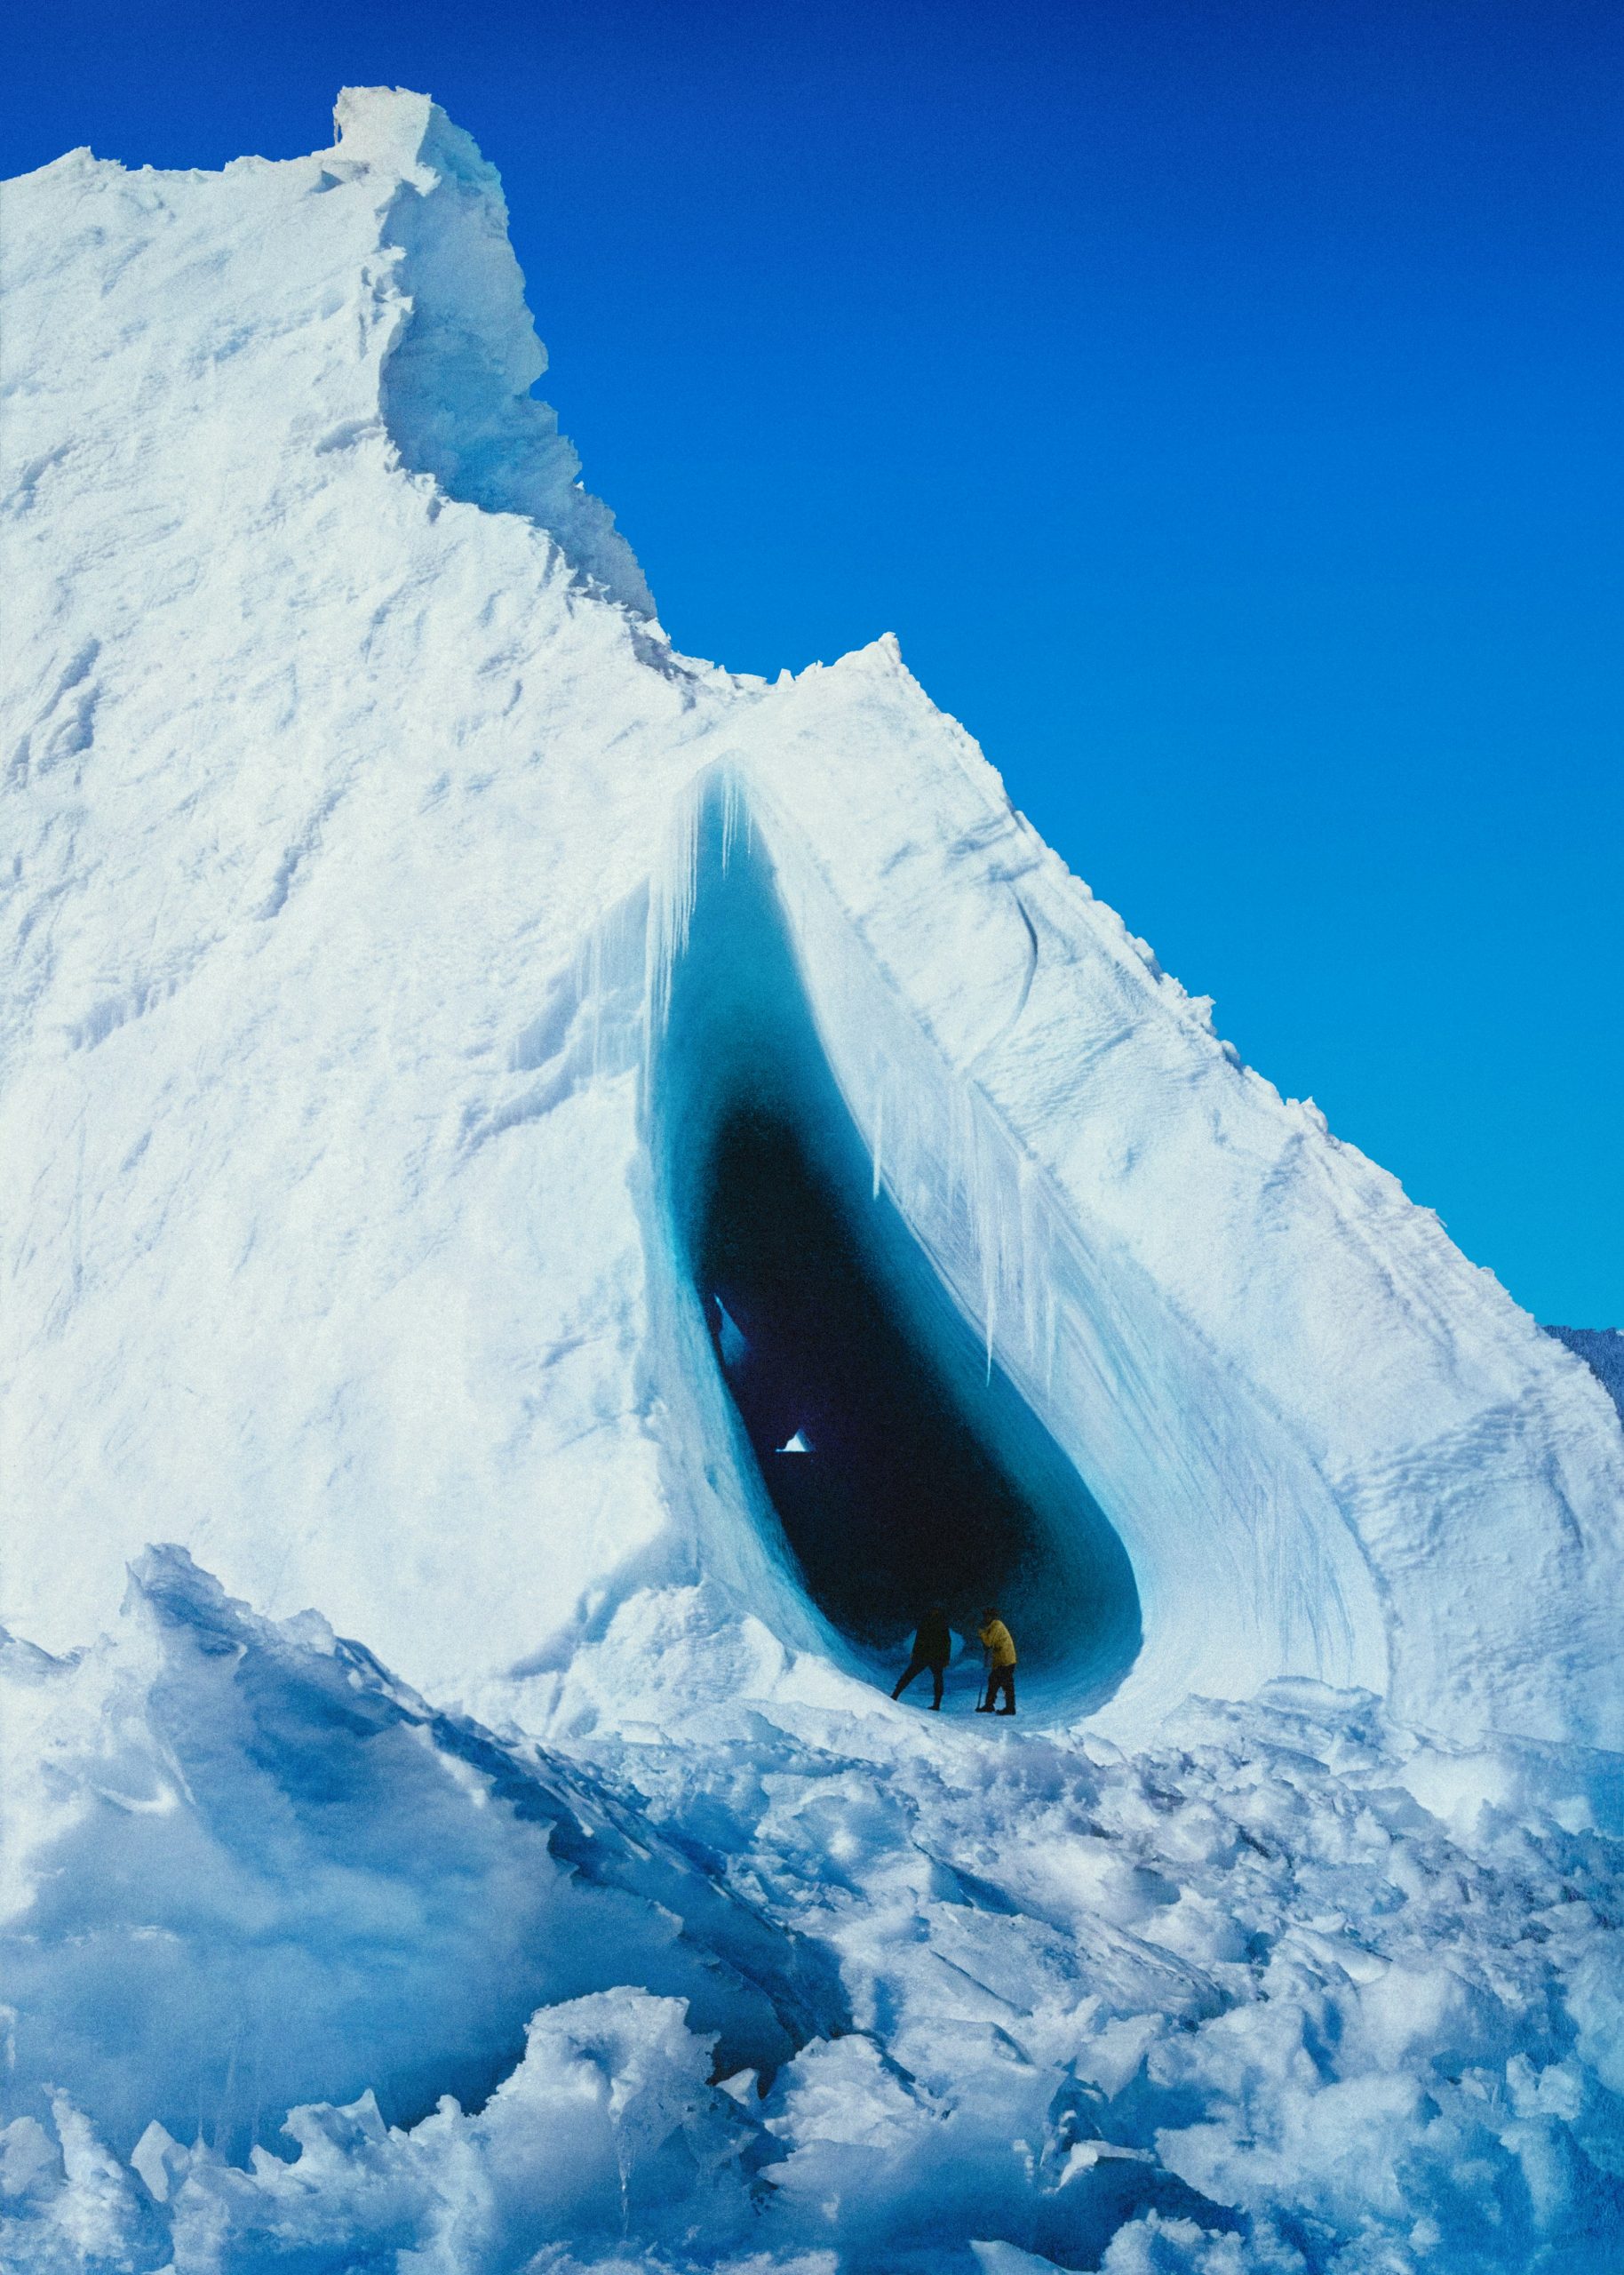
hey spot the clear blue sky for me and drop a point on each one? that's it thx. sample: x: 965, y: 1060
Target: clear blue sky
x: 1222, y: 403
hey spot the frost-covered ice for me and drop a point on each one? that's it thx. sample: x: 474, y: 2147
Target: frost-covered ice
x: 402, y: 935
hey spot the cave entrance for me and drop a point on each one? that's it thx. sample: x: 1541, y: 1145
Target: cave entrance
x: 892, y: 1468
x: 888, y: 1496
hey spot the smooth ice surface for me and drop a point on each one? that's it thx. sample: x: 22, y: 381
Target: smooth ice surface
x: 392, y: 1066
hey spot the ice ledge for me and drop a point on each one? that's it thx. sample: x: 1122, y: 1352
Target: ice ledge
x: 455, y: 387
x: 406, y: 134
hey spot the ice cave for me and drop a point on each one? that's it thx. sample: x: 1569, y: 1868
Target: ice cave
x: 887, y: 1458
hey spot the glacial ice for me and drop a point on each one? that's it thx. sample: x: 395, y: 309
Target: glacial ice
x: 456, y: 388
x: 477, y: 1084
x: 294, y: 1877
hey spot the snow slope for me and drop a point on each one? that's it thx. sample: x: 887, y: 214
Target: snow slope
x: 395, y: 922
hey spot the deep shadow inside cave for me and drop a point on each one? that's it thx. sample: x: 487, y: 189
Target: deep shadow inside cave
x: 897, y: 1471
x: 888, y: 1499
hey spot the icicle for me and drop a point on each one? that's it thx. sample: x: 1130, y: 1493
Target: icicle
x: 671, y: 910
x: 732, y: 807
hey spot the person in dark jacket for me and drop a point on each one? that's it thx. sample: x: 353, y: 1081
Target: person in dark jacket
x: 933, y: 1648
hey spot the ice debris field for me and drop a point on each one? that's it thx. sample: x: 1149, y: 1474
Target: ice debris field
x: 558, y: 1197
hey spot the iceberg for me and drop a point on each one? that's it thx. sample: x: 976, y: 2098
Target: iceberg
x: 616, y: 1184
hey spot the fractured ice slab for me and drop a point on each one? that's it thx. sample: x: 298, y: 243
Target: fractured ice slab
x: 262, y: 1872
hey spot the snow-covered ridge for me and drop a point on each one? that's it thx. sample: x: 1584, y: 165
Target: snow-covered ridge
x: 391, y: 314
x: 455, y: 385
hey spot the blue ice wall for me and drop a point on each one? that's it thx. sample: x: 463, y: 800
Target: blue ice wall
x: 928, y: 1479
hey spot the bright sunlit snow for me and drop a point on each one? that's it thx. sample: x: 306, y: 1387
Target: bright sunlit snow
x: 479, y: 1091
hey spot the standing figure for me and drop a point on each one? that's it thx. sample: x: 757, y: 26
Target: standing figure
x: 933, y: 1648
x: 999, y: 1645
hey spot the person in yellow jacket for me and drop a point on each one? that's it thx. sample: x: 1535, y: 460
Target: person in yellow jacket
x: 999, y: 1645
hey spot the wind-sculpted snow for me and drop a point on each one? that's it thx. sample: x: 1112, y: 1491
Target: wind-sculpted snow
x: 1290, y: 1991
x: 456, y: 385
x: 422, y: 979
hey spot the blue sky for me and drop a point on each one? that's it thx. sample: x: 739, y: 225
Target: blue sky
x: 1221, y: 403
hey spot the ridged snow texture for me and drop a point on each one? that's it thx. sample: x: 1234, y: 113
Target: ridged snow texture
x: 367, y: 846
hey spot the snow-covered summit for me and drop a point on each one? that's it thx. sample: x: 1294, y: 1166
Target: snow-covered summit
x: 253, y: 315
x: 389, y: 910
x: 455, y: 383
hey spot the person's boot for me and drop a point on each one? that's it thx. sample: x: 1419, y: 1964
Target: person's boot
x: 1006, y: 1709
